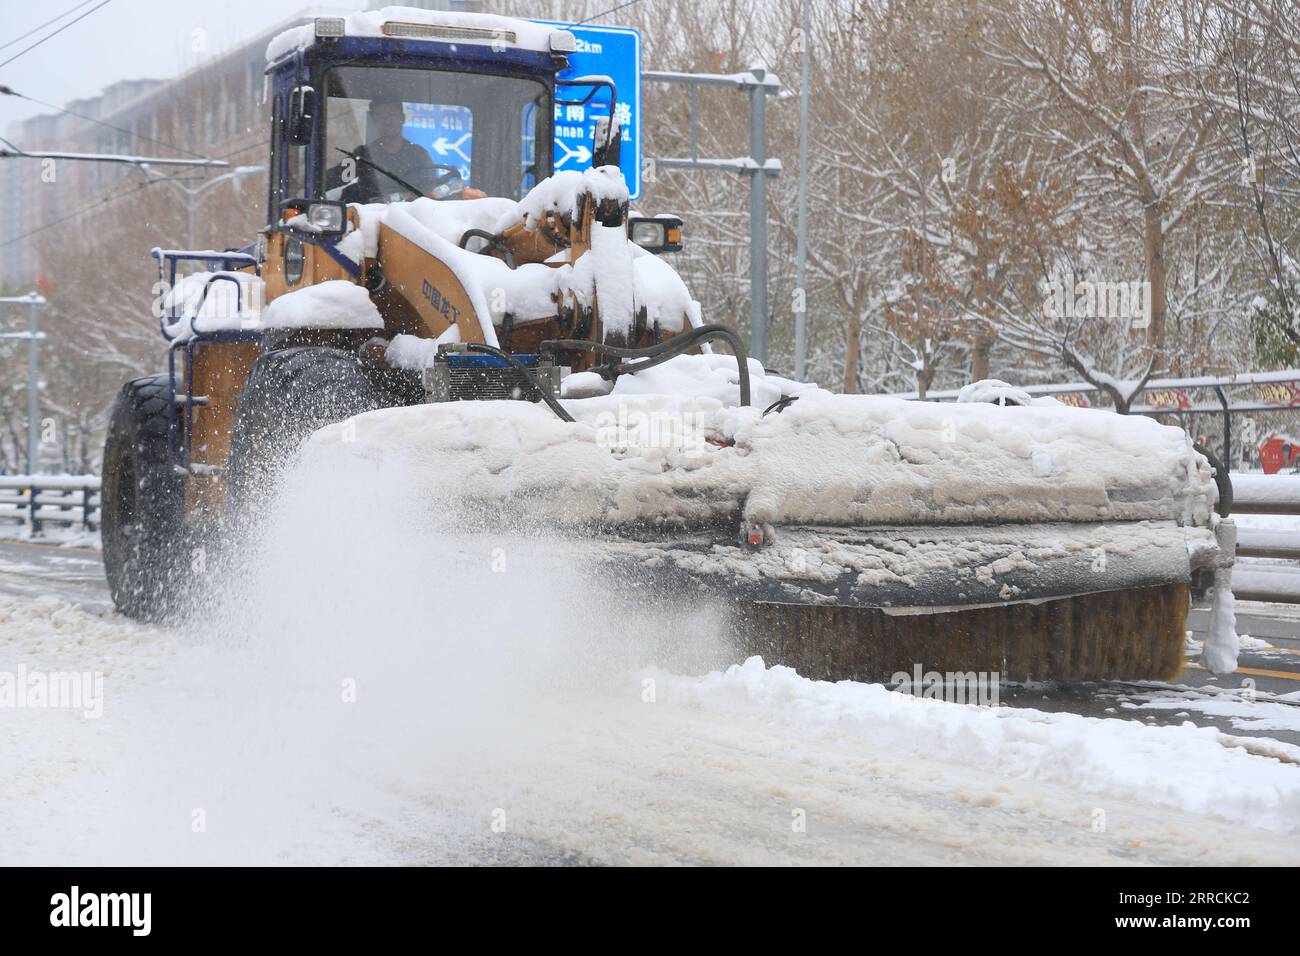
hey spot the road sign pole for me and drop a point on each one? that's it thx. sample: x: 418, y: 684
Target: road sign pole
x: 760, y: 83
x: 33, y: 385
x: 32, y: 336
x: 758, y: 219
x: 801, y: 250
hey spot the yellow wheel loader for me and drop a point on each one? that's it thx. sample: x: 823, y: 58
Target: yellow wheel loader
x: 850, y: 536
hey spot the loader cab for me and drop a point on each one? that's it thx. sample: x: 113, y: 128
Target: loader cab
x: 477, y: 108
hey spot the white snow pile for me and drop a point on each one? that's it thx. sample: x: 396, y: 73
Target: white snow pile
x: 458, y: 710
x: 448, y: 219
x: 411, y: 352
x: 671, y: 446
x: 1186, y: 767
x: 994, y: 391
x: 336, y: 304
x: 1263, y: 714
x: 559, y: 194
x: 519, y: 34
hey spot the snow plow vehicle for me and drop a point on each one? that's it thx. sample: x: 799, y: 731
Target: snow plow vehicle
x: 565, y: 379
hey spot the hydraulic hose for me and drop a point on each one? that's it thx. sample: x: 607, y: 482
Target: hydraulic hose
x: 1221, y: 480
x: 494, y: 242
x: 658, y: 354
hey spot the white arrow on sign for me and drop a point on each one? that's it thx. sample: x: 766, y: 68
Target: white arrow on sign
x: 444, y: 147
x: 582, y: 153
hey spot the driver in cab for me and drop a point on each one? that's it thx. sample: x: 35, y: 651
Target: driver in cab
x: 390, y: 152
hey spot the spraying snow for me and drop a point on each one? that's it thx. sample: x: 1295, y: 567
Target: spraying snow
x: 374, y: 677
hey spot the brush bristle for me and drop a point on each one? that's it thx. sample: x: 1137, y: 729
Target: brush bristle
x: 1131, y: 634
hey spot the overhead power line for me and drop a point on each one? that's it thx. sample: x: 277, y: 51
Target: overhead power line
x: 24, y: 36
x: 10, y: 91
x: 50, y: 36
x: 114, y: 197
x: 598, y: 15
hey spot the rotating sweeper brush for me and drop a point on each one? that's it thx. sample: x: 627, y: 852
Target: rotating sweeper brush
x: 847, y: 536
x: 511, y: 334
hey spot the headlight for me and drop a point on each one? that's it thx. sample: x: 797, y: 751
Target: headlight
x: 660, y: 234
x: 649, y: 233
x: 325, y: 217
x: 329, y: 27
x: 315, y: 217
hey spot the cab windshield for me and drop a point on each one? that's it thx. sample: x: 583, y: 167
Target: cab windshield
x: 395, y: 133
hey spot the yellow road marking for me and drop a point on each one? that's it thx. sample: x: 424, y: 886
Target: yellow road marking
x: 1255, y: 672
x: 30, y: 544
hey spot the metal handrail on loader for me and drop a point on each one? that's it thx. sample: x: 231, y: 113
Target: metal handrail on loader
x: 231, y: 261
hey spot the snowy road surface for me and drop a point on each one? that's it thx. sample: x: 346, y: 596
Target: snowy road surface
x: 75, y: 574
x: 239, y: 748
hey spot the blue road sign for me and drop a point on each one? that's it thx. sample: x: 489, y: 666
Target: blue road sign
x: 445, y: 132
x: 614, y: 52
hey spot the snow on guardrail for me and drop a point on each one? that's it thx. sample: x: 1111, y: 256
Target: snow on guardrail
x: 1269, y: 548
x: 35, y: 500
x: 1266, y: 494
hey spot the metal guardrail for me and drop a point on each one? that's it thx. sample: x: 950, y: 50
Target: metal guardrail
x: 1267, y: 495
x: 36, y: 500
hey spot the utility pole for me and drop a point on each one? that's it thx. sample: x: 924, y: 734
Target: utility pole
x: 192, y: 195
x: 757, y: 166
x: 801, y: 245
x: 32, y: 336
x: 758, y: 218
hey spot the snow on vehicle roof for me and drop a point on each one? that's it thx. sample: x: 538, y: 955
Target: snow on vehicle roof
x: 370, y: 23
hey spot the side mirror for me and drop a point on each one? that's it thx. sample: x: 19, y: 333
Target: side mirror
x: 657, y: 234
x: 316, y: 217
x: 302, y: 115
x: 607, y: 142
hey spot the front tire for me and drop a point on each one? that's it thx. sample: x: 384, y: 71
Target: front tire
x: 143, y: 504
